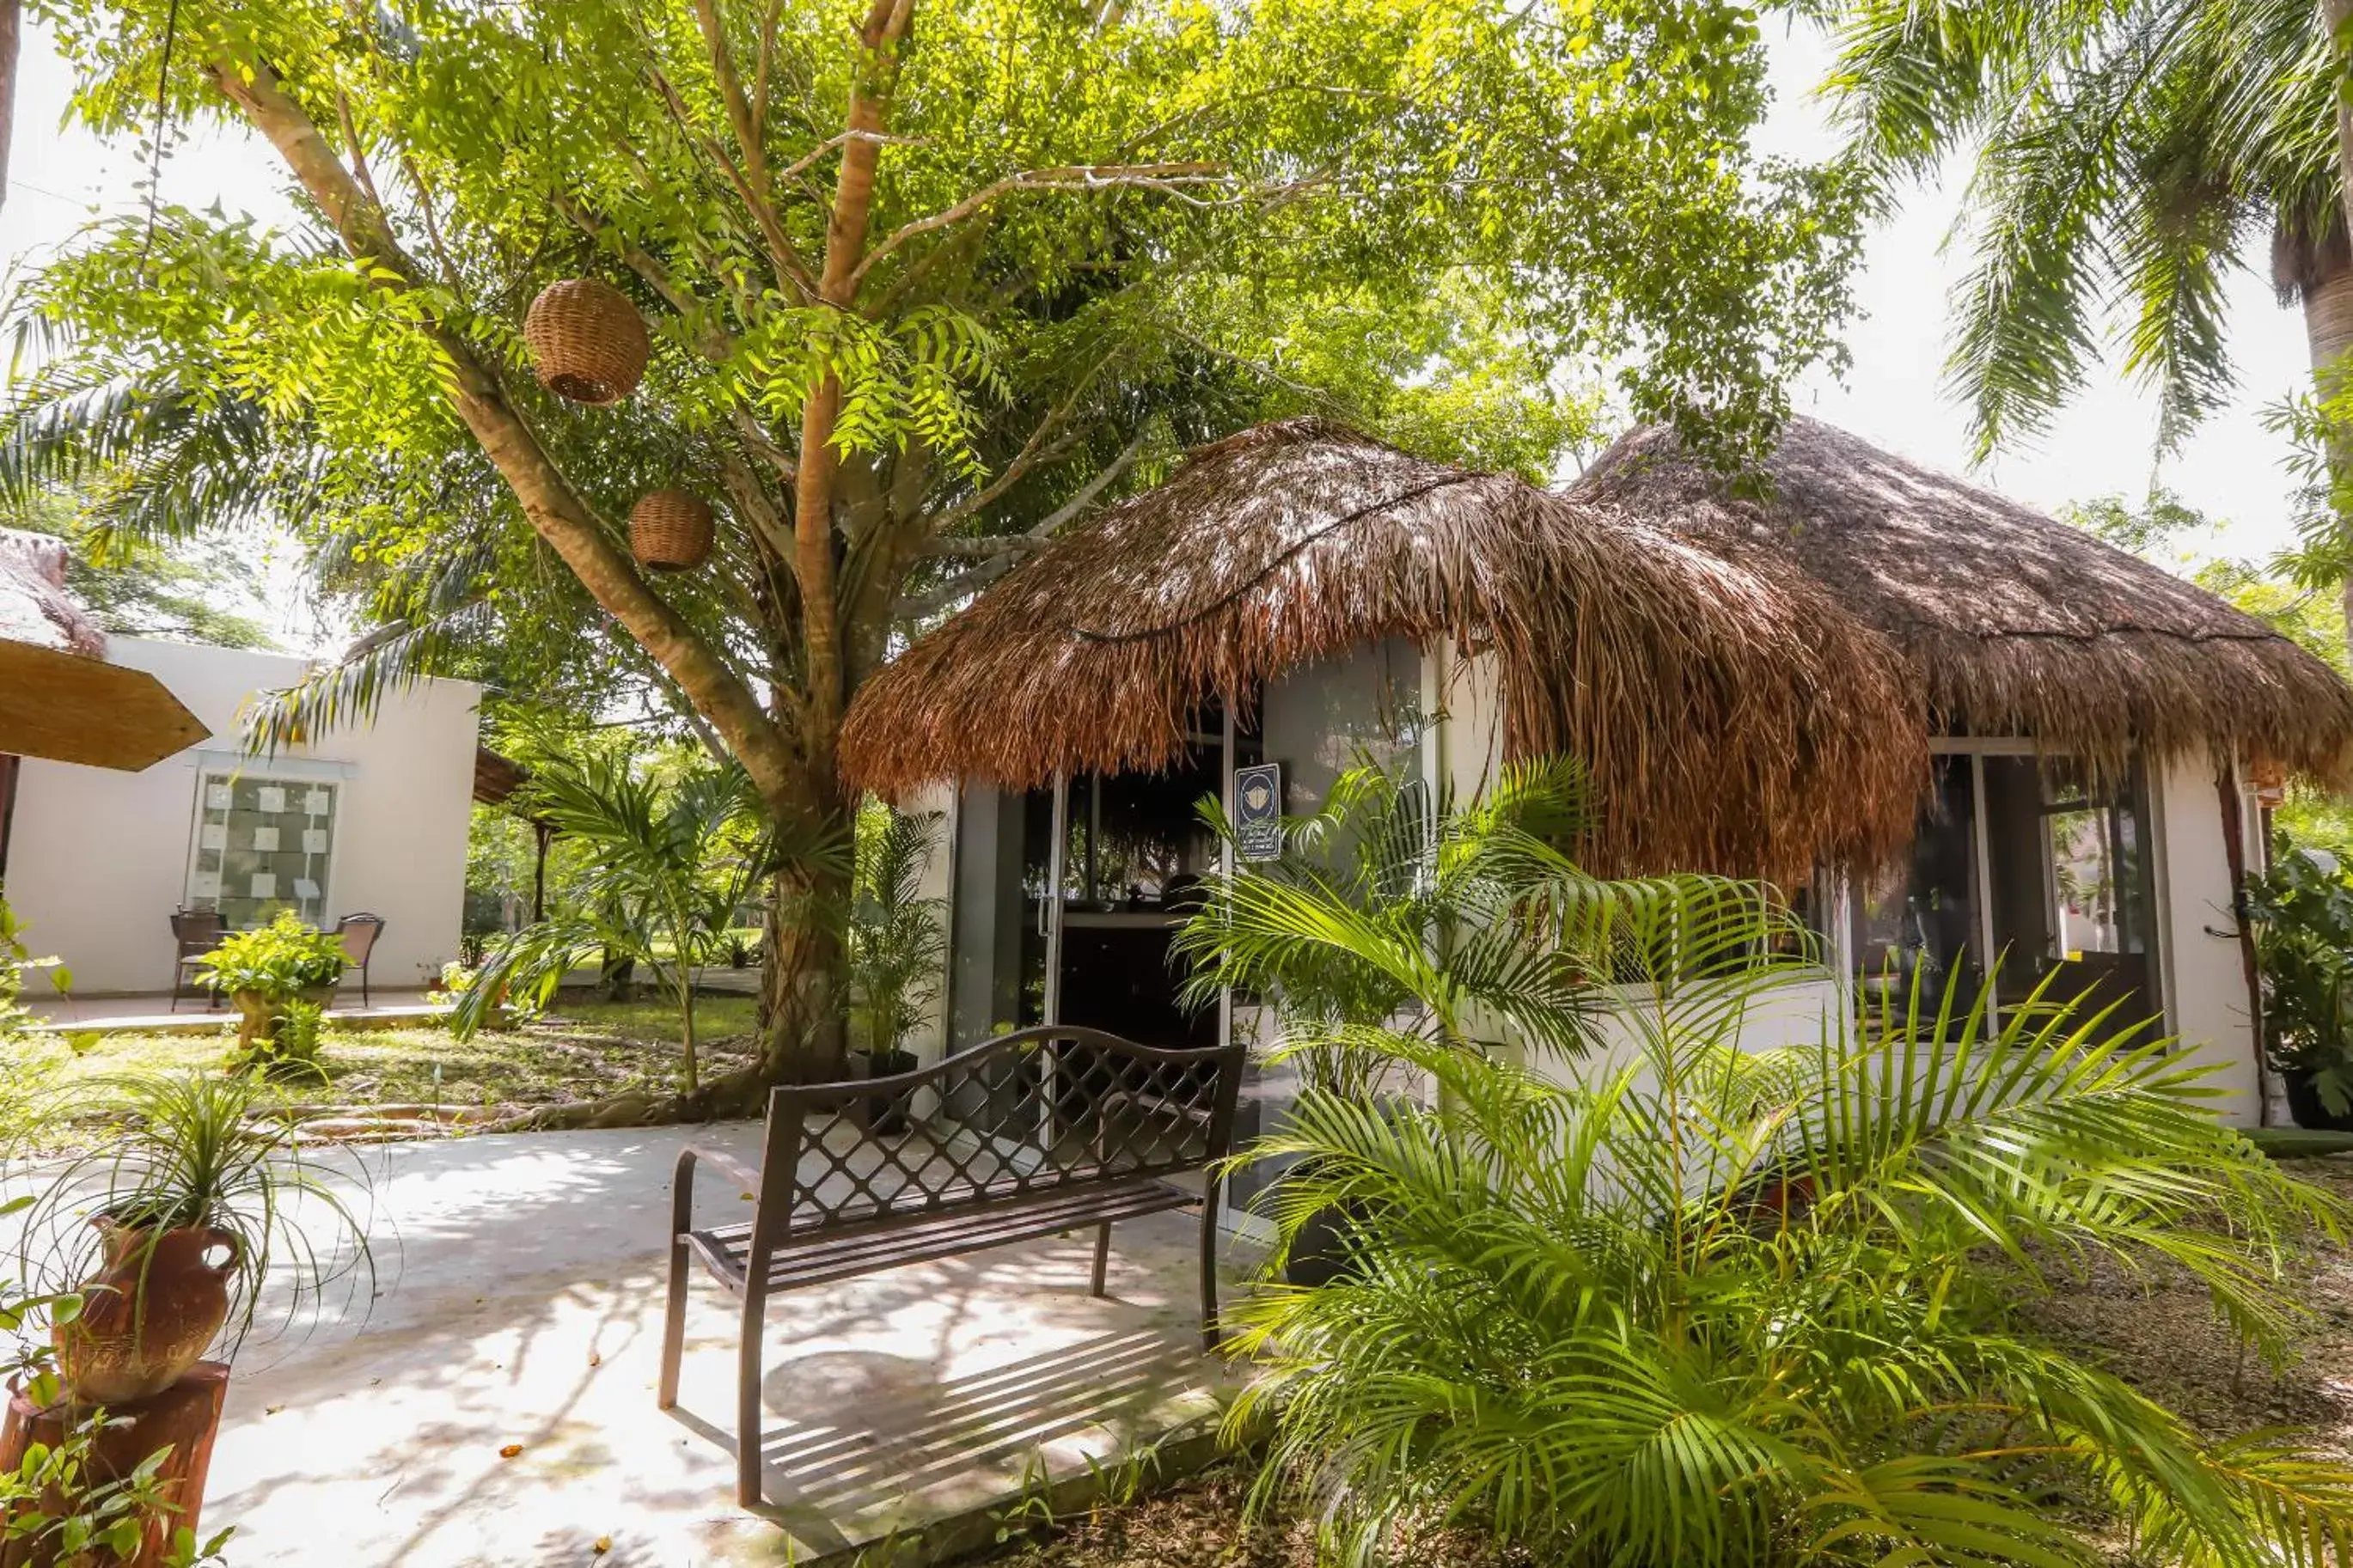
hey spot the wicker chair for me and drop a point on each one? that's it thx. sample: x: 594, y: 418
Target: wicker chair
x: 358, y: 932
x: 195, y: 933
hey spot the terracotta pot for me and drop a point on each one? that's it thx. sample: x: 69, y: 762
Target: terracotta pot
x: 259, y: 1013
x: 157, y: 1301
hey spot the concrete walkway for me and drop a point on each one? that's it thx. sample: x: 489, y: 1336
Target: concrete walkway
x: 152, y: 1012
x: 521, y: 1304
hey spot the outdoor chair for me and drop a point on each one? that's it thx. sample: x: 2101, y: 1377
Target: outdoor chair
x: 195, y: 933
x: 1025, y: 1135
x: 359, y: 934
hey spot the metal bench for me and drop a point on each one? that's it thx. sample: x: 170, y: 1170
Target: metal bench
x: 1025, y: 1135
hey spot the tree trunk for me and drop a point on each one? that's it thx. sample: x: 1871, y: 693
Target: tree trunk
x: 801, y: 1034
x: 686, y: 1023
x: 2328, y: 299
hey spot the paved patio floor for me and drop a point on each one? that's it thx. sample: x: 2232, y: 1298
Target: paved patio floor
x: 151, y: 1012
x: 521, y: 1304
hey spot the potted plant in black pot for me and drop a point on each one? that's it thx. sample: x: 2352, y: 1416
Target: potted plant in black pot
x: 896, y: 948
x: 168, y: 1229
x: 2301, y: 912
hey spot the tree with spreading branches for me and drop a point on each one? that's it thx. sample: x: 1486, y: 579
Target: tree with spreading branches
x: 925, y: 283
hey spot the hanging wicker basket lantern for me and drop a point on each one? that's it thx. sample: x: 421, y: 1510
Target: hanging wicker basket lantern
x: 670, y: 531
x: 587, y: 341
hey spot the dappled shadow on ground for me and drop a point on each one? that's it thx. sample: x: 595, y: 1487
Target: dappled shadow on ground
x: 524, y: 1312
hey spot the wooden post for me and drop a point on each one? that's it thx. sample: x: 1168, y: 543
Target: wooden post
x: 184, y: 1417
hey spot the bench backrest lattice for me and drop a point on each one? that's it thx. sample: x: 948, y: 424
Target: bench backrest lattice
x: 1034, y: 1115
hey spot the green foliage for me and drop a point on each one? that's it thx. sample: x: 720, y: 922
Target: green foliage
x: 1681, y: 1303
x: 2302, y: 910
x: 1471, y: 920
x: 896, y: 945
x: 277, y: 962
x: 15, y: 958
x: 289, y: 1047
x: 210, y: 1149
x: 670, y: 860
x: 1100, y: 235
x: 141, y: 588
x: 2123, y: 157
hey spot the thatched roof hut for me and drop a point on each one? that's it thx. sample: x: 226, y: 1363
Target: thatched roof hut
x: 33, y: 607
x: 1734, y: 717
x: 2015, y: 622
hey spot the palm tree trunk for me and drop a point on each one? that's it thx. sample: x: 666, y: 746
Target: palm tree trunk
x: 11, y: 22
x: 2328, y: 330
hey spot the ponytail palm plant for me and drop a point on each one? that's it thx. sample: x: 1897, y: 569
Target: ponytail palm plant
x: 1660, y: 1299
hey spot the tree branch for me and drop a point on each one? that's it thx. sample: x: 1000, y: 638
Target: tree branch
x: 1017, y: 547
x: 845, y: 249
x: 781, y: 250
x: 555, y: 511
x: 1168, y: 177
x: 1041, y: 446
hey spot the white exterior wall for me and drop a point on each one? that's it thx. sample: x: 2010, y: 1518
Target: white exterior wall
x: 98, y: 860
x: 2204, y: 974
x: 928, y: 1039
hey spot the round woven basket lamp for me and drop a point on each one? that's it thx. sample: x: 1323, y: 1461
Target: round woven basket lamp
x: 587, y: 341
x: 670, y: 531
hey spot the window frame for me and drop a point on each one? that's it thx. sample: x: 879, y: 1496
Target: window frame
x: 209, y: 772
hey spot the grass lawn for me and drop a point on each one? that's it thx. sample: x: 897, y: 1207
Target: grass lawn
x: 581, y: 1049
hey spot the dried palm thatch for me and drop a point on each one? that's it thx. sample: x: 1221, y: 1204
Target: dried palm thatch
x: 1732, y: 717
x: 2018, y: 624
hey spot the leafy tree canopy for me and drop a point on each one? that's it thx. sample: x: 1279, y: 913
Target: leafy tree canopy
x: 185, y: 591
x: 926, y: 282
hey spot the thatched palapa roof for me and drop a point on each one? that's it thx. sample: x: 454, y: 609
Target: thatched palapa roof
x: 1732, y: 717
x: 2016, y: 623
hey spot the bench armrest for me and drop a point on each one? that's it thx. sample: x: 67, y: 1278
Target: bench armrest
x: 682, y: 1191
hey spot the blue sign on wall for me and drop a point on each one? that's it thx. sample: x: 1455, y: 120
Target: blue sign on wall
x: 1257, y: 812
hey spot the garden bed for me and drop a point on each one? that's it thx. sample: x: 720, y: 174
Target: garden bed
x: 585, y: 1049
x: 2156, y: 1329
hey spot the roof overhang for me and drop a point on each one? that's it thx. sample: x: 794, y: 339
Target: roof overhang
x: 74, y: 708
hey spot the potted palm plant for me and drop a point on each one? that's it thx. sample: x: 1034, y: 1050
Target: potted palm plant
x: 2301, y: 912
x: 168, y: 1229
x: 897, y: 944
x: 261, y: 971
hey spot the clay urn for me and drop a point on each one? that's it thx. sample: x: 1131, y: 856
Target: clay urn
x: 156, y: 1302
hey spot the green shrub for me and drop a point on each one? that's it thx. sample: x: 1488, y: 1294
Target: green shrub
x: 290, y: 1046
x: 277, y: 962
x: 2302, y: 913
x: 1676, y: 1303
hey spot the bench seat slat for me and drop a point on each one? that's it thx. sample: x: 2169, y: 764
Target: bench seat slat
x: 723, y: 1249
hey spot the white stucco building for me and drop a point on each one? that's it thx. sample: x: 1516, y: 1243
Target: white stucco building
x: 372, y: 817
x: 1955, y: 731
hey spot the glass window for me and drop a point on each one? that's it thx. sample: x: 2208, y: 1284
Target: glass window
x: 2061, y: 889
x: 2075, y: 902
x: 1920, y: 916
x: 262, y: 844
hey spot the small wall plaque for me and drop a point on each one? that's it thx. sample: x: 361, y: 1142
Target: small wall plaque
x: 1257, y: 812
